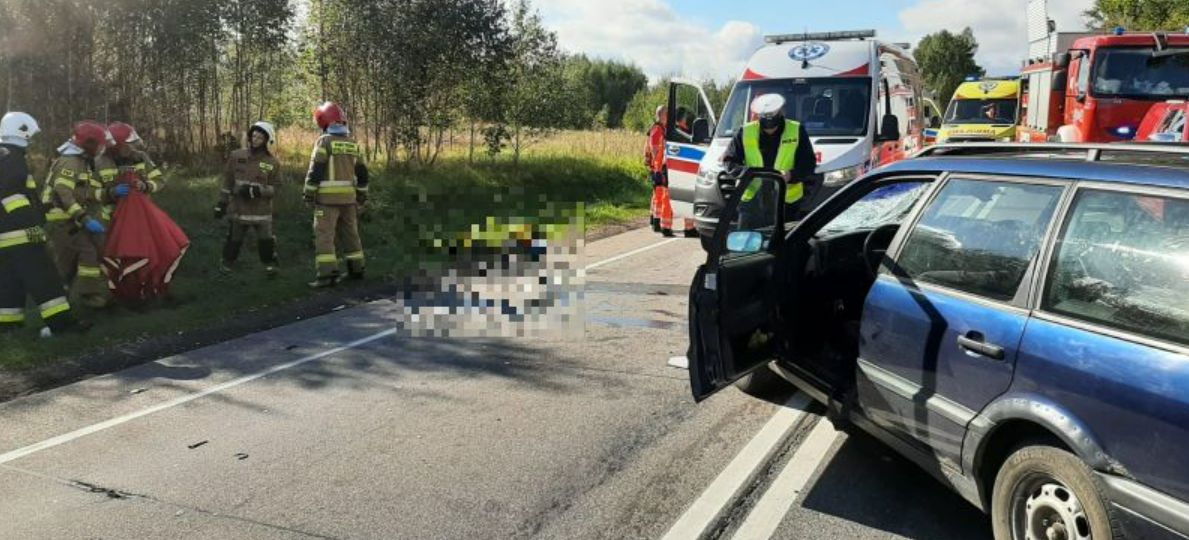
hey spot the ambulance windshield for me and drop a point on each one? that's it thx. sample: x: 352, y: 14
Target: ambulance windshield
x: 825, y: 106
x: 981, y: 111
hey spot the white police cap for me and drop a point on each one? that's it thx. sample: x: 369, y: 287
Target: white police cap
x: 767, y: 105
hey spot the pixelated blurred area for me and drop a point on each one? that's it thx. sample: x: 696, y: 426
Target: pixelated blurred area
x: 512, y: 275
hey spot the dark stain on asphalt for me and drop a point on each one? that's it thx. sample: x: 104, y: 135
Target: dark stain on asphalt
x: 241, y: 456
x: 197, y: 444
x: 92, y: 488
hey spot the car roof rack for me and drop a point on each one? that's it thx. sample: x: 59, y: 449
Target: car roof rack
x: 1088, y: 152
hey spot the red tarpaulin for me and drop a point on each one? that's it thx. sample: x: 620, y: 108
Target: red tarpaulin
x: 144, y: 247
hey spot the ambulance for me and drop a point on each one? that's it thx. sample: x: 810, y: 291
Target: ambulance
x: 982, y: 111
x: 860, y: 99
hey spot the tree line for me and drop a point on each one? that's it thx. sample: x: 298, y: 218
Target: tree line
x: 192, y: 73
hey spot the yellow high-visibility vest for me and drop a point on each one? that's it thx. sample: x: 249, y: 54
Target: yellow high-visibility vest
x: 786, y: 158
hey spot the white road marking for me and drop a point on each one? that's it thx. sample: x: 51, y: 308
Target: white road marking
x: 101, y: 426
x: 629, y: 254
x: 772, y: 507
x: 712, y: 503
x: 95, y: 428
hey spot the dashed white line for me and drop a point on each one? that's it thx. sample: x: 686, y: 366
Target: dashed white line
x: 708, y: 508
x: 770, y: 510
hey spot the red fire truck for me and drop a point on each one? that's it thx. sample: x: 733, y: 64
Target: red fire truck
x: 1098, y: 88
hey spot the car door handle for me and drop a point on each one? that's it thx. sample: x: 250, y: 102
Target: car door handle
x: 974, y: 342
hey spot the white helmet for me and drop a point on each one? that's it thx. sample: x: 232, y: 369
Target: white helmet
x: 17, y: 128
x: 267, y: 128
x: 659, y: 109
x: 767, y: 106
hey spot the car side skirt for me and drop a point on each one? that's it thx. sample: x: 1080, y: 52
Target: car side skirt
x: 1145, y: 512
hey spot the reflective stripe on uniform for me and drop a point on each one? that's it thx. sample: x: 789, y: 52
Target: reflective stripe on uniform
x: 344, y: 148
x: 30, y: 183
x: 57, y: 214
x: 326, y: 259
x: 85, y: 271
x: 155, y: 173
x: 786, y: 158
x: 337, y: 187
x: 12, y: 315
x: 310, y: 188
x: 75, y: 209
x: 356, y: 256
x: 54, y: 307
x: 12, y: 203
x: 68, y: 184
x: 254, y: 219
x: 14, y: 238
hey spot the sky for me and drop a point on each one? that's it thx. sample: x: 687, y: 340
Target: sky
x: 713, y: 38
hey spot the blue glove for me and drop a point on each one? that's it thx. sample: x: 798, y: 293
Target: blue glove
x: 123, y: 190
x: 94, y: 227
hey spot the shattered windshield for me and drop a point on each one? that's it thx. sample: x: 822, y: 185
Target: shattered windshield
x: 886, y: 205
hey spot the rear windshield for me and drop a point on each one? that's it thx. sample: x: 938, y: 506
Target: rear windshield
x: 825, y: 106
x: 1137, y: 74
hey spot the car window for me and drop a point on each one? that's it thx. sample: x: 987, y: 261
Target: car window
x: 752, y: 229
x: 1123, y: 261
x: 884, y: 206
x: 979, y: 236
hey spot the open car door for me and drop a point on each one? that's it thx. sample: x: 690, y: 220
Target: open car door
x: 734, y: 296
x: 687, y: 137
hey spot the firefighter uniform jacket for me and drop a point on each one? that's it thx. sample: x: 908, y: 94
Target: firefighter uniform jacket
x: 337, y: 176
x: 17, y: 192
x: 144, y: 169
x: 71, y: 192
x: 108, y: 172
x: 247, y: 168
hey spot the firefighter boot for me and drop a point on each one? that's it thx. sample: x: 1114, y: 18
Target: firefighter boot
x: 268, y: 256
x: 230, y: 254
x: 354, y: 270
x: 667, y: 233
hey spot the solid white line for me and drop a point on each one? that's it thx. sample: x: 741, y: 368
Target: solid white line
x: 772, y: 507
x: 95, y: 428
x: 629, y: 254
x: 710, y: 505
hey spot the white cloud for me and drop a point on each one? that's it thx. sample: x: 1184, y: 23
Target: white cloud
x: 652, y: 35
x: 999, y: 25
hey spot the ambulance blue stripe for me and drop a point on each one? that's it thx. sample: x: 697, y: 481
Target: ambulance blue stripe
x: 690, y: 153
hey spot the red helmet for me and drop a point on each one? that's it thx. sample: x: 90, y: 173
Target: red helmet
x: 90, y: 136
x: 123, y: 133
x: 328, y: 114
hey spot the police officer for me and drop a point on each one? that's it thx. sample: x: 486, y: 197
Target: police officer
x: 71, y: 195
x: 250, y: 182
x: 337, y: 186
x: 133, y: 161
x: 773, y: 142
x: 25, y: 265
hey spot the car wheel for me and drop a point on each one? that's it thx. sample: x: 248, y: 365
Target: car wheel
x: 707, y: 242
x: 1045, y: 493
x: 762, y: 383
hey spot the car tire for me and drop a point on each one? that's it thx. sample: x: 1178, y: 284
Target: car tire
x: 707, y: 242
x: 1048, y: 490
x: 762, y: 383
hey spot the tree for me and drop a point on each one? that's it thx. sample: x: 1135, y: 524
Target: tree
x: 1171, y: 15
x: 947, y: 59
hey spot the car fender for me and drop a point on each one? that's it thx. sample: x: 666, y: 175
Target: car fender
x: 1043, y: 412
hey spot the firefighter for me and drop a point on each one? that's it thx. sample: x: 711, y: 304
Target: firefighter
x: 105, y: 167
x: 250, y: 182
x: 131, y: 158
x: 25, y: 266
x: 337, y: 186
x: 654, y: 149
x: 773, y: 142
x: 71, y: 195
x: 662, y: 204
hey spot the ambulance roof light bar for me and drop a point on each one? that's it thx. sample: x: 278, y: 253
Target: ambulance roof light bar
x: 820, y: 36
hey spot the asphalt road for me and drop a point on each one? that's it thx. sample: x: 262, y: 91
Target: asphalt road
x: 342, y: 427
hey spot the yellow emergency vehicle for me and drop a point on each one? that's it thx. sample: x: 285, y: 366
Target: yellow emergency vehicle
x: 982, y: 111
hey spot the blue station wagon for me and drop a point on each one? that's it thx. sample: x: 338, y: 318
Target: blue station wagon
x: 1014, y: 319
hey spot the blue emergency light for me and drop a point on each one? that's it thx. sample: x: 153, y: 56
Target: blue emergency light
x: 1119, y: 30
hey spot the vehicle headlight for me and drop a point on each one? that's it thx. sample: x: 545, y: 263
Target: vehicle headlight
x: 708, y: 175
x: 842, y: 177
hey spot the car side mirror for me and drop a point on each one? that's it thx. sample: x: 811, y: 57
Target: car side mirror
x: 1061, y: 60
x: 1060, y: 81
x: 1081, y: 96
x: 889, y: 128
x: 745, y: 242
x: 701, y: 130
